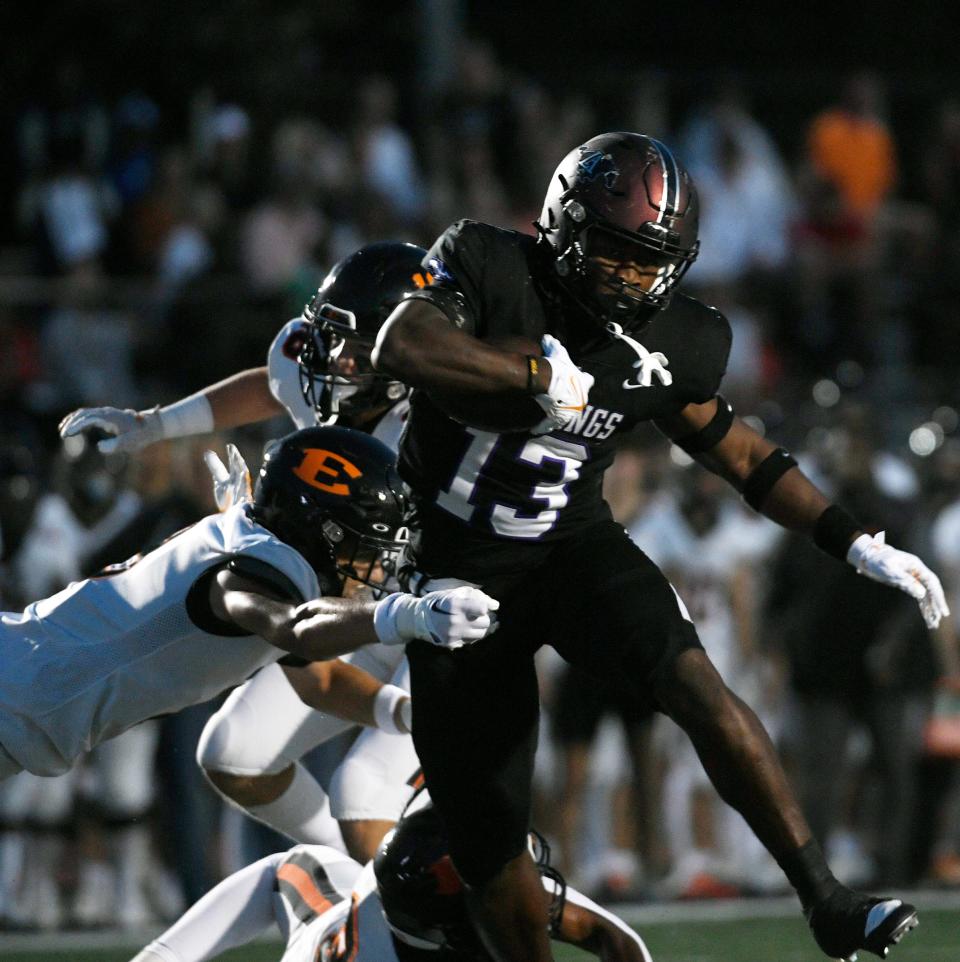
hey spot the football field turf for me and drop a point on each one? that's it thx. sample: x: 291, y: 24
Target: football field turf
x: 677, y: 939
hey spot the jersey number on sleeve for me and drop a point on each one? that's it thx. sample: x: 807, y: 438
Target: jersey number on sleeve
x: 522, y: 519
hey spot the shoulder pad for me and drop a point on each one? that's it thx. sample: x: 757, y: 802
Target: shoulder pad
x: 448, y: 300
x: 264, y: 574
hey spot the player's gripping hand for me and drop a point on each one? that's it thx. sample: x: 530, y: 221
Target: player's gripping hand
x: 230, y: 485
x: 450, y: 618
x: 569, y: 386
x: 873, y: 557
x: 130, y: 430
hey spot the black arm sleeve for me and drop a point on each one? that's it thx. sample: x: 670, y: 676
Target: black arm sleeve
x: 711, y: 434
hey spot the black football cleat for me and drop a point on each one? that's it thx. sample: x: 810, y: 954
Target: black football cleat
x: 847, y: 921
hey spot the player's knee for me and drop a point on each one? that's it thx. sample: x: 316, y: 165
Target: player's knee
x: 690, y: 690
x: 212, y: 745
x: 249, y: 791
x: 363, y: 837
x: 227, y: 746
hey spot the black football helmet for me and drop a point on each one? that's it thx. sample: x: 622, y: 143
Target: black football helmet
x: 335, y: 496
x: 423, y: 896
x: 622, y: 198
x: 357, y: 296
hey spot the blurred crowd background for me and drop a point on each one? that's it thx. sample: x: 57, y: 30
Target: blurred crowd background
x: 176, y: 184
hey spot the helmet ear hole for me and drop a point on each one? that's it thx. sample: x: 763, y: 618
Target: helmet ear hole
x: 332, y: 531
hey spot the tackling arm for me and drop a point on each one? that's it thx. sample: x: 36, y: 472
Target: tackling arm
x: 594, y: 929
x: 240, y: 399
x: 316, y: 630
x: 342, y: 689
x: 326, y: 627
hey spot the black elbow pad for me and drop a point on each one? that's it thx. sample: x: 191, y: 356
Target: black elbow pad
x: 711, y: 434
x: 765, y: 475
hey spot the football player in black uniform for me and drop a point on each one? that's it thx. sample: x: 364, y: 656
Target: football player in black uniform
x: 521, y: 513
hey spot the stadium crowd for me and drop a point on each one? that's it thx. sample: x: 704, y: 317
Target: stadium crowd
x: 153, y: 257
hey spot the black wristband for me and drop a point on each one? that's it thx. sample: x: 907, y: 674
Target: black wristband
x: 834, y: 531
x: 711, y: 434
x: 765, y: 475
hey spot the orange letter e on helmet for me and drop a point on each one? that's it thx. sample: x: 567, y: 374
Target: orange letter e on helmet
x: 316, y: 461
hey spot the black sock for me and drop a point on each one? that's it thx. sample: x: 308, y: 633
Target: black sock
x: 808, y: 872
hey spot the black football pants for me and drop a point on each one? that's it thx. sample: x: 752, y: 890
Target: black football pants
x: 606, y: 607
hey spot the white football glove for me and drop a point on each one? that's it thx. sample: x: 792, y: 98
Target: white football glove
x: 450, y: 618
x: 569, y: 386
x: 230, y: 486
x: 873, y: 557
x: 131, y: 430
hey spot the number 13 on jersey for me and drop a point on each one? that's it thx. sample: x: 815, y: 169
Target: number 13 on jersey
x: 525, y: 517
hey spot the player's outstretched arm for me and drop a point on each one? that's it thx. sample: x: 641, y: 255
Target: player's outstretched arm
x: 592, y: 928
x: 231, y: 914
x: 242, y: 398
x: 770, y: 482
x: 326, y: 627
x: 342, y: 689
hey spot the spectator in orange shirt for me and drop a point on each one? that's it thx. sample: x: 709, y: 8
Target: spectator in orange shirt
x: 850, y: 171
x: 851, y: 148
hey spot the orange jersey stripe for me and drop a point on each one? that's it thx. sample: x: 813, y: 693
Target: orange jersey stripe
x: 305, y: 887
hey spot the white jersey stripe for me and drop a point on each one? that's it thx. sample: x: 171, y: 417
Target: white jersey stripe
x: 671, y: 180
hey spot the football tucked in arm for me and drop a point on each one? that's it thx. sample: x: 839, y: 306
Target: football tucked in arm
x: 500, y: 413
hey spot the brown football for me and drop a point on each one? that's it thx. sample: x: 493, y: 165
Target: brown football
x: 498, y: 414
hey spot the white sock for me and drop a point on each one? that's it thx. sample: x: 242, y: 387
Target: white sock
x: 11, y: 867
x: 134, y: 861
x: 302, y: 812
x: 677, y: 812
x: 132, y: 853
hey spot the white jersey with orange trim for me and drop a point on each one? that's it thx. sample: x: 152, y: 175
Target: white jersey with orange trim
x: 325, y: 905
x: 284, y: 377
x: 138, y: 641
x: 328, y: 908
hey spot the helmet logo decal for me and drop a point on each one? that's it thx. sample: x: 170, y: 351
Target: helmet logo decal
x: 316, y: 461
x: 422, y: 280
x: 439, y: 273
x: 594, y: 164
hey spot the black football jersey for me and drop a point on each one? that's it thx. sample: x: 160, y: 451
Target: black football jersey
x: 519, y: 488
